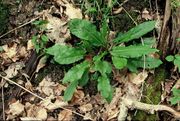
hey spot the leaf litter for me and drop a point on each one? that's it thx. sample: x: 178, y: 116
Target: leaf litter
x: 92, y: 107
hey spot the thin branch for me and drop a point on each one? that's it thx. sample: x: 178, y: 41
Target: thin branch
x: 2, y: 94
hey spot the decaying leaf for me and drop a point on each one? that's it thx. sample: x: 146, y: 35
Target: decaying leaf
x: 138, y: 79
x: 13, y: 69
x: 30, y: 45
x: 65, y: 115
x: 85, y: 108
x: 9, y: 52
x: 45, y: 86
x: 73, y: 12
x: 37, y: 112
x: 52, y: 106
x: 16, y: 108
x: 70, y: 10
x: 56, y: 29
x: 146, y: 15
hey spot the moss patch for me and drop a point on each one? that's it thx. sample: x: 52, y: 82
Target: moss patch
x: 153, y: 95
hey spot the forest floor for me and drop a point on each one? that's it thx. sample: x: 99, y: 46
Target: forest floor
x: 31, y: 83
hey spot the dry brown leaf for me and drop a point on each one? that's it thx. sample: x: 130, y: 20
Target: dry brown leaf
x: 65, y: 115
x: 45, y: 86
x: 22, y: 52
x: 51, y: 106
x: 16, y: 108
x: 57, y: 29
x: 70, y: 10
x: 77, y: 97
x: 30, y: 45
x: 13, y: 69
x: 85, y: 108
x: 138, y: 79
x: 87, y: 116
x: 146, y: 15
x: 73, y: 12
x: 41, y: 114
x: 10, y: 52
x: 36, y: 111
x: 58, y: 89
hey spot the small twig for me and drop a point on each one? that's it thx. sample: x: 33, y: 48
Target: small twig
x: 39, y: 96
x: 2, y: 94
x: 19, y: 26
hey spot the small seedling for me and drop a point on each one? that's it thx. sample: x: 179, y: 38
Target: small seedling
x: 41, y: 39
x: 175, y: 59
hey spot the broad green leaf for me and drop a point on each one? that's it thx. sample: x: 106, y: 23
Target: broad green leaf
x: 170, y: 58
x: 100, y: 56
x: 70, y: 90
x: 102, y: 66
x: 64, y: 54
x: 132, y: 51
x: 136, y: 32
x: 178, y: 39
x: 177, y: 56
x: 177, y: 61
x: 44, y: 38
x: 76, y: 72
x: 150, y: 63
x: 149, y: 41
x: 35, y: 43
x: 1, y: 49
x: 104, y: 87
x: 84, y: 80
x: 176, y: 96
x: 85, y: 30
x: 119, y: 62
x: 104, y: 29
x: 174, y: 100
